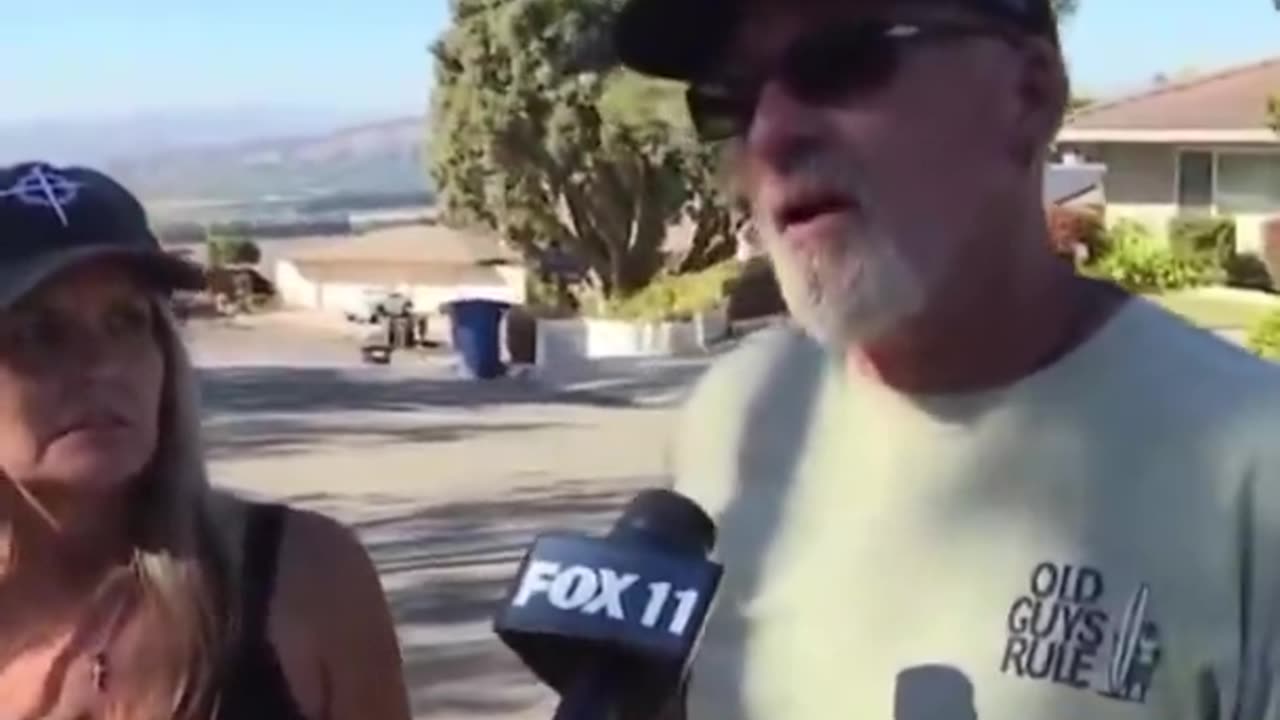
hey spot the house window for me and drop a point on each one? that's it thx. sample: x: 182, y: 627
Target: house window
x: 1248, y: 182
x: 1195, y: 180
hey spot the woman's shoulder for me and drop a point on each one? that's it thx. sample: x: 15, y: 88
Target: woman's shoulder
x: 310, y: 546
x: 328, y: 616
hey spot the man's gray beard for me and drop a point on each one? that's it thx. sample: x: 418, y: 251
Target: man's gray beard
x: 845, y: 294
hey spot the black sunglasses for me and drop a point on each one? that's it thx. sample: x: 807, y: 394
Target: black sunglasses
x: 822, y: 68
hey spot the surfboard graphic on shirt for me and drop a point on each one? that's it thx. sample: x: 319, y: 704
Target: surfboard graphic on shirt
x: 1134, y: 651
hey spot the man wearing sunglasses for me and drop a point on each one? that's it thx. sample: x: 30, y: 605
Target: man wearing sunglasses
x: 969, y: 484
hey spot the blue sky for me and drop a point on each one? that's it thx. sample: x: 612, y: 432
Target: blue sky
x: 116, y: 57
x: 1116, y: 45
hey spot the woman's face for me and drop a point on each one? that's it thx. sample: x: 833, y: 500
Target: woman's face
x: 81, y: 373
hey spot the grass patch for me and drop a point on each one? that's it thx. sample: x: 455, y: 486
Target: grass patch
x: 1216, y: 312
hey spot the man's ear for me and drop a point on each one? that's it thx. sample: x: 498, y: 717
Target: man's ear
x: 1042, y: 92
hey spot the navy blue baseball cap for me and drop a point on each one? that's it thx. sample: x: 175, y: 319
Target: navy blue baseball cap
x: 675, y: 39
x: 54, y: 217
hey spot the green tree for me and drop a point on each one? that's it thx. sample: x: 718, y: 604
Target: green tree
x: 537, y: 135
x: 1273, y: 112
x: 229, y: 250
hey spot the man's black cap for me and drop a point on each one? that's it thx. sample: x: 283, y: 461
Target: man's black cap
x: 677, y: 38
x: 52, y: 218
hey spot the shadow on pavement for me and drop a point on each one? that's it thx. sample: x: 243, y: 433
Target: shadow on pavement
x: 279, y: 436
x: 636, y: 381
x: 264, y: 389
x: 447, y: 567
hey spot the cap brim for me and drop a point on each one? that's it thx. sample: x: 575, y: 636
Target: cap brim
x: 673, y: 39
x: 165, y: 271
x: 679, y: 39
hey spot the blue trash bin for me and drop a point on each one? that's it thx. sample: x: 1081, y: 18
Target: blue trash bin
x: 476, y: 333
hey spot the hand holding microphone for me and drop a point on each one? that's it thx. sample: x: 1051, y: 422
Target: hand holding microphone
x: 612, y: 623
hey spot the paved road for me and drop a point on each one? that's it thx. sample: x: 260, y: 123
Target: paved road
x: 445, y: 480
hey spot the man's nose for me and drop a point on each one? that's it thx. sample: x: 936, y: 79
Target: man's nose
x: 782, y: 127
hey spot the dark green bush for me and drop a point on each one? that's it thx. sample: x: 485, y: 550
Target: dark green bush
x: 1211, y: 238
x: 1264, y: 338
x: 1248, y: 271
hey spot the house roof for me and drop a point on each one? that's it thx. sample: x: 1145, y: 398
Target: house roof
x: 412, y: 244
x: 1226, y: 106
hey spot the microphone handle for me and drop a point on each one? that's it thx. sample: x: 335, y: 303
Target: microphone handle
x: 589, y: 698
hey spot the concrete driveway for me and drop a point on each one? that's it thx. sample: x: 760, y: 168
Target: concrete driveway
x: 445, y: 480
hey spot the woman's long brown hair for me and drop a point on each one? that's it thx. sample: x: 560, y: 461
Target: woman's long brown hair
x: 183, y: 558
x: 181, y: 579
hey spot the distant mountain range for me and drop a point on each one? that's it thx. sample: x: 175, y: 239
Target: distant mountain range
x: 183, y: 171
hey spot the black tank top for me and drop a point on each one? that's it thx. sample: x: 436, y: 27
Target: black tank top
x: 254, y: 685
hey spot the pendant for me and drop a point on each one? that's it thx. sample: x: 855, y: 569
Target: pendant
x: 100, y: 672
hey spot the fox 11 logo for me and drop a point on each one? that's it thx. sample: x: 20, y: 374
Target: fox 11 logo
x: 600, y: 591
x: 638, y: 598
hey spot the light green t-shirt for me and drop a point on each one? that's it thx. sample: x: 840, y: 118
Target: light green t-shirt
x: 1097, y: 541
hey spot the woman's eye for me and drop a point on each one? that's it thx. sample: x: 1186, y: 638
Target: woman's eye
x: 33, y: 332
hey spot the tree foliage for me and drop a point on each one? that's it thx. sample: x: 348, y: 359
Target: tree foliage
x: 230, y: 250
x: 1273, y: 112
x: 537, y: 135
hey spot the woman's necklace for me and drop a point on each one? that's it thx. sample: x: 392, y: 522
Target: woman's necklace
x: 100, y: 667
x: 99, y: 670
x: 94, y: 640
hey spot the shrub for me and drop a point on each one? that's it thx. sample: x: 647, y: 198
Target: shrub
x: 545, y: 298
x: 1074, y: 230
x: 676, y: 297
x: 1264, y: 338
x: 233, y: 251
x: 1140, y: 264
x: 1248, y: 271
x: 240, y: 289
x: 1212, y: 238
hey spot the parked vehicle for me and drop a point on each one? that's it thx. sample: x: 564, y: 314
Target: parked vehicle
x: 375, y: 304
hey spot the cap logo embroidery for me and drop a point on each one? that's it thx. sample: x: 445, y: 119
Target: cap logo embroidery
x: 43, y: 187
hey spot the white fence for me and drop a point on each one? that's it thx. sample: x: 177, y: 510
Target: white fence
x: 572, y: 341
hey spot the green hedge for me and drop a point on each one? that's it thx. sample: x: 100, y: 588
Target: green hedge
x: 1208, y: 238
x: 1138, y: 262
x: 676, y: 297
x: 1264, y: 339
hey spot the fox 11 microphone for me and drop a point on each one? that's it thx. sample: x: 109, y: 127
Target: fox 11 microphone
x: 612, y: 623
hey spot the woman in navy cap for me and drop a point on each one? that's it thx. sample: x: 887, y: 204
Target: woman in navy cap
x: 129, y: 589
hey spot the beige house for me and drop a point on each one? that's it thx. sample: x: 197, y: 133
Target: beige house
x: 1199, y: 146
x: 431, y: 264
